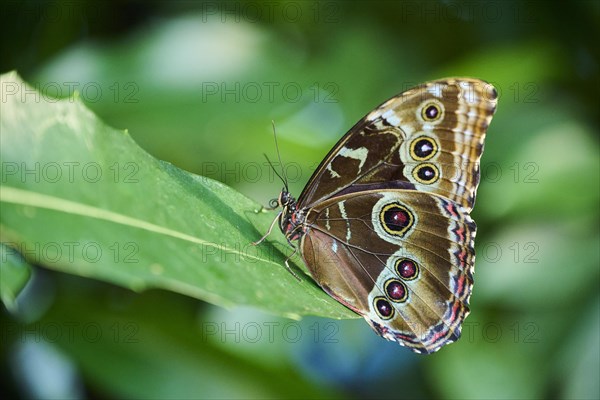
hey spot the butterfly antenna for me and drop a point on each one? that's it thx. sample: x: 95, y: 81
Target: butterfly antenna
x: 274, y: 170
x: 285, y: 181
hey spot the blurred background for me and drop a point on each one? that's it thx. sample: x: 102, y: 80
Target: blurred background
x: 198, y: 84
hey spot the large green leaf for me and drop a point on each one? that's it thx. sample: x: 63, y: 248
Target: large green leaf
x: 83, y: 198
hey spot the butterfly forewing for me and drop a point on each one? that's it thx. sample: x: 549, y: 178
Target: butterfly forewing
x: 429, y: 138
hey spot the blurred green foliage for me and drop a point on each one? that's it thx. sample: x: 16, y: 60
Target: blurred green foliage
x: 198, y: 83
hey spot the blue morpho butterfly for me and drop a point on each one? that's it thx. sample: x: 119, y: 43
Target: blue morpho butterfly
x: 383, y: 224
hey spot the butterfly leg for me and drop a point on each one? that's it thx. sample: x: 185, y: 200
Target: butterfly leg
x: 268, y: 232
x: 287, y: 264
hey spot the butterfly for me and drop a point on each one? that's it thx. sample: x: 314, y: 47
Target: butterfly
x: 383, y: 224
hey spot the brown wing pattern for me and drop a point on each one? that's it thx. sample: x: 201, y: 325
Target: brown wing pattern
x: 402, y: 259
x: 429, y: 138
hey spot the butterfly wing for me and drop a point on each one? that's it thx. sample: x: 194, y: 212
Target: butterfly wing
x: 387, y: 229
x: 402, y: 259
x: 429, y: 138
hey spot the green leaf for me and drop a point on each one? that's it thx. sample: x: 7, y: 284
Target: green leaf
x: 14, y: 274
x: 81, y: 197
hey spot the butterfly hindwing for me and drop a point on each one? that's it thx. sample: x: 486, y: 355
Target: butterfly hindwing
x: 407, y: 252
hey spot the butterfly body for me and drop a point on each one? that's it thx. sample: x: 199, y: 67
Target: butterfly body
x: 383, y: 224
